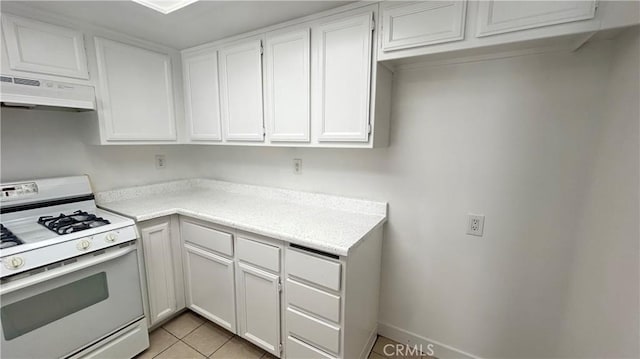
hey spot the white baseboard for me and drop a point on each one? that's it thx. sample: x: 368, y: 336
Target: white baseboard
x: 372, y: 341
x: 441, y: 350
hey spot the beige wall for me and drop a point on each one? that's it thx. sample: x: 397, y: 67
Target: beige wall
x: 602, y: 316
x: 519, y: 140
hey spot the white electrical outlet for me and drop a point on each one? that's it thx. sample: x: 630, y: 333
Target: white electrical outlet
x: 475, y: 225
x: 297, y: 166
x: 161, y: 162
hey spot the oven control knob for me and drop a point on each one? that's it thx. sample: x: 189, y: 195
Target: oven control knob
x: 84, y: 244
x: 111, y: 237
x: 14, y: 262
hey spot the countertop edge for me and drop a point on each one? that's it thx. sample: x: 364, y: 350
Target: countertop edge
x: 339, y: 250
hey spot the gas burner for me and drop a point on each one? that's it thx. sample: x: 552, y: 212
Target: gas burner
x: 8, y: 239
x: 70, y: 223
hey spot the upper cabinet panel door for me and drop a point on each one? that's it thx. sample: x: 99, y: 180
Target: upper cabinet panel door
x: 202, y: 100
x: 136, y: 93
x: 496, y: 17
x: 423, y: 23
x: 36, y: 46
x: 241, y: 91
x: 287, y: 86
x: 342, y: 70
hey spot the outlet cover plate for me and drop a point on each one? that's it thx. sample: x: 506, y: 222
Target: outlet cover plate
x: 161, y: 162
x: 475, y: 224
x: 297, y: 166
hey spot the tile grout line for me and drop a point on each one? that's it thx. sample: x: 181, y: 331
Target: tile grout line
x: 165, y: 349
x: 179, y: 340
x: 220, y: 347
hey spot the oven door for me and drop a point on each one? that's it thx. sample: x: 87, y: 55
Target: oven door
x: 59, y: 311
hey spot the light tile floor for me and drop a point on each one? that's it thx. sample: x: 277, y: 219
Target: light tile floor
x: 189, y: 336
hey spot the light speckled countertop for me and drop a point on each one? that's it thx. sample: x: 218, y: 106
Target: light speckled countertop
x: 328, y: 223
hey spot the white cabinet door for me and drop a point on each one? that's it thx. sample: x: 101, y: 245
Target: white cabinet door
x: 259, y: 307
x: 210, y: 286
x: 136, y: 93
x: 36, y: 46
x: 342, y: 70
x: 287, y: 86
x: 496, y: 17
x: 202, y: 100
x: 159, y: 264
x: 241, y: 91
x: 423, y: 23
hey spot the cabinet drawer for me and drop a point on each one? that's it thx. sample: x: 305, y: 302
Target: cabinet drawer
x: 314, y: 269
x: 313, y: 330
x: 262, y: 255
x: 208, y: 238
x: 313, y: 300
x: 298, y: 349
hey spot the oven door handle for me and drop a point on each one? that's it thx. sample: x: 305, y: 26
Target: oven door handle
x: 63, y: 270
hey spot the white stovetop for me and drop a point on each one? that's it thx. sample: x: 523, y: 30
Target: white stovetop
x: 328, y: 223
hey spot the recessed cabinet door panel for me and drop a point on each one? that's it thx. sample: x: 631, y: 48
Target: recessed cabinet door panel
x: 259, y: 307
x: 158, y: 258
x: 202, y: 101
x: 36, y: 46
x: 422, y: 23
x: 241, y: 91
x: 136, y: 93
x: 496, y: 17
x: 287, y: 90
x: 342, y: 72
x: 210, y: 286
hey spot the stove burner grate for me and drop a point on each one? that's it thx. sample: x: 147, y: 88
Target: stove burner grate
x: 70, y: 223
x: 8, y: 239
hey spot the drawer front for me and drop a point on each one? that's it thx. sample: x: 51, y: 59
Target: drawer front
x: 260, y: 254
x: 313, y: 331
x: 313, y: 300
x: 316, y: 270
x: 297, y: 349
x: 423, y: 23
x: 208, y: 238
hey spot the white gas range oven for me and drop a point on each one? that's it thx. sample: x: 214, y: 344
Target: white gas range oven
x: 70, y: 284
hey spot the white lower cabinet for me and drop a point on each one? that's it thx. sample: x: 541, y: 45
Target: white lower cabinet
x: 163, y: 269
x: 259, y: 307
x: 210, y: 286
x: 326, y: 308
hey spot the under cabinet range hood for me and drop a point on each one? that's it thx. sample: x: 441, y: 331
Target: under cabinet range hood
x: 46, y: 94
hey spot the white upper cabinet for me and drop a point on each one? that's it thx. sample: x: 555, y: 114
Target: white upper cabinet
x: 135, y: 93
x: 288, y: 85
x: 342, y: 74
x: 35, y: 46
x: 313, y: 82
x: 202, y: 100
x: 496, y: 17
x: 241, y: 90
x: 422, y: 23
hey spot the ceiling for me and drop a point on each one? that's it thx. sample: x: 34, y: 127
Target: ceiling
x: 193, y: 25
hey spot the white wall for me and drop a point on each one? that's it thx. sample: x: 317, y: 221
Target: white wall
x: 513, y: 139
x: 37, y: 144
x: 602, y: 317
